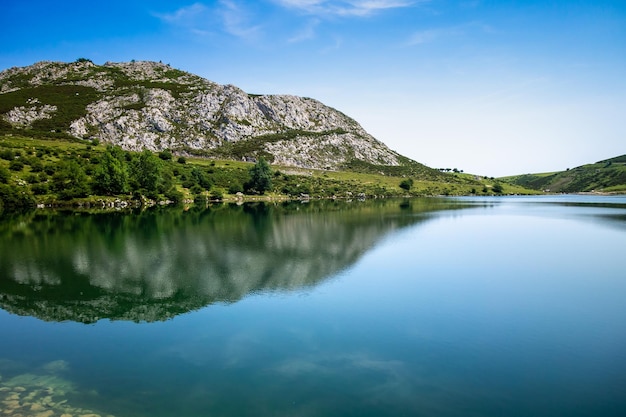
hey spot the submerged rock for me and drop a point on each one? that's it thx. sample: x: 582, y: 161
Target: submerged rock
x: 31, y: 395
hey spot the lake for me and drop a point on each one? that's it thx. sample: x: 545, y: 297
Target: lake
x: 510, y: 306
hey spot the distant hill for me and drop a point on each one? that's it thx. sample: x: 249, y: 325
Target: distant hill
x: 150, y: 105
x: 608, y: 175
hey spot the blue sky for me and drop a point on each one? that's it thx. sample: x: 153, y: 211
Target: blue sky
x: 490, y: 87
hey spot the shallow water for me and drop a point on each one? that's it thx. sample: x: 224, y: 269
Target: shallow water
x: 448, y: 307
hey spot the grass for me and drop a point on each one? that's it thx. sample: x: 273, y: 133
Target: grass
x: 39, y: 159
x: 604, y: 176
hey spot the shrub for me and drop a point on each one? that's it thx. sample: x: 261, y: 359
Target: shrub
x: 36, y: 165
x: 5, y: 175
x: 39, y: 189
x: 32, y: 179
x: 15, y: 198
x: 16, y: 165
x: 216, y: 195
x: 7, y: 154
x: 165, y: 155
x: 406, y: 184
x: 235, y: 188
x: 174, y: 195
x: 196, y: 189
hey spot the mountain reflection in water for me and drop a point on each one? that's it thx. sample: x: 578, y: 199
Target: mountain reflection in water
x: 154, y: 265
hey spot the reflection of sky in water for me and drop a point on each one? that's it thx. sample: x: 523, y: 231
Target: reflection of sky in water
x: 496, y: 311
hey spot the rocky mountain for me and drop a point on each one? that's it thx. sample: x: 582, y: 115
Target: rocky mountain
x: 150, y: 105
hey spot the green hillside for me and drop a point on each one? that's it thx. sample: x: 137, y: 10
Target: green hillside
x: 67, y: 173
x: 605, y: 176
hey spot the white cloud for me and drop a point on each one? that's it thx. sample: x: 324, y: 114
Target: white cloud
x: 306, y: 33
x: 357, y: 8
x: 236, y: 20
x: 433, y: 35
x: 201, y: 20
x: 424, y: 36
x: 185, y: 16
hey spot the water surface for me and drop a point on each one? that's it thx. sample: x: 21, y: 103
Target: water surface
x: 427, y: 307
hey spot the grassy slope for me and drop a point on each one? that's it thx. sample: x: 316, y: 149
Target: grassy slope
x: 603, y: 176
x: 287, y: 181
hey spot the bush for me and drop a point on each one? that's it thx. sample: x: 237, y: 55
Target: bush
x: 235, y: 188
x: 35, y: 165
x: 199, y: 199
x: 174, y: 195
x: 39, y: 189
x: 165, y: 155
x: 13, y: 198
x: 16, y: 165
x: 196, y: 189
x: 5, y: 175
x: 7, y: 154
x: 216, y: 195
x: 406, y: 184
x: 32, y: 179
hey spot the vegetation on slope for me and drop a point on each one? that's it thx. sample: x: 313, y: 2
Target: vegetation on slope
x: 62, y: 172
x: 604, y: 176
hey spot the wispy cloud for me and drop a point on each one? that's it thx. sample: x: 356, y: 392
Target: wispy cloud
x: 306, y: 33
x: 432, y: 35
x: 228, y: 15
x: 359, y: 8
x: 236, y: 20
x: 187, y: 16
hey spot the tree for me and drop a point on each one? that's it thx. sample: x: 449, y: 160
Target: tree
x: 14, y: 198
x: 497, y: 188
x: 111, y: 176
x: 70, y: 181
x: 199, y: 177
x: 406, y: 184
x: 260, y: 177
x: 145, y: 172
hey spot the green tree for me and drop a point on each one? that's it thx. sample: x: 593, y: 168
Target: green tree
x: 497, y: 188
x: 70, y: 181
x: 406, y: 184
x: 15, y: 198
x: 201, y: 178
x: 145, y: 173
x: 111, y: 176
x: 260, y: 177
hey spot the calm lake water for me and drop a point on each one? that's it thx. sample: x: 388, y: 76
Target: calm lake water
x: 512, y: 306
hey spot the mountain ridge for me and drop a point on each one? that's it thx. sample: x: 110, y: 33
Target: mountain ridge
x: 149, y: 105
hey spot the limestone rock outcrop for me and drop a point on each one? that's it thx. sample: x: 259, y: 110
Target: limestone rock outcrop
x: 150, y: 105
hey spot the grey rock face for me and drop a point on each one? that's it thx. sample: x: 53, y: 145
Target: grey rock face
x: 149, y: 105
